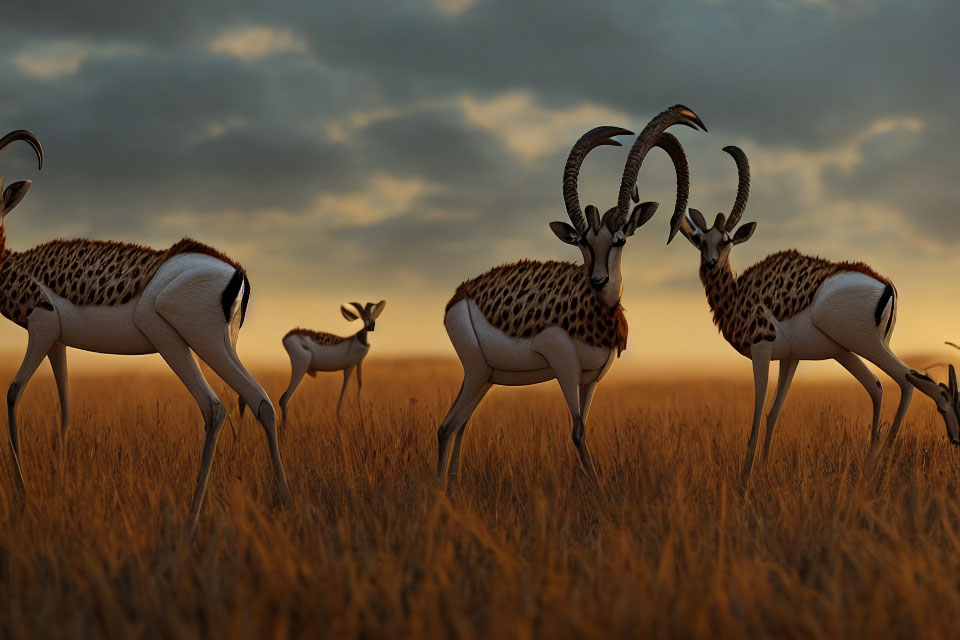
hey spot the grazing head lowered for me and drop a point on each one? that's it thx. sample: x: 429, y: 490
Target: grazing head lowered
x: 601, y: 239
x: 946, y: 397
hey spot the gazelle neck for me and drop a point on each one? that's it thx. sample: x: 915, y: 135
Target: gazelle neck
x: 720, y: 285
x: 361, y: 337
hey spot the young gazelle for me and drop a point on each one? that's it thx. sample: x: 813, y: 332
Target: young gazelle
x: 113, y: 297
x: 313, y: 351
x: 529, y: 322
x: 791, y: 307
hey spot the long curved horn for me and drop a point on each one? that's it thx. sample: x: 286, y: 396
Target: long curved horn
x: 743, y: 187
x: 26, y: 136
x: 677, y: 114
x: 571, y: 171
x: 669, y: 143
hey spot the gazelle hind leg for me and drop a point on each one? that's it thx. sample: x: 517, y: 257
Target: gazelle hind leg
x: 871, y: 384
x: 176, y: 353
x: 43, y: 326
x: 474, y: 387
x: 855, y: 328
x: 462, y: 419
x: 476, y: 377
x: 58, y: 362
x: 191, y: 305
x: 787, y: 369
x: 299, y: 365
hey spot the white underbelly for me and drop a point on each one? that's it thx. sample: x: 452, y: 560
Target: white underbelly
x: 101, y: 328
x: 516, y: 361
x: 799, y: 339
x: 335, y: 357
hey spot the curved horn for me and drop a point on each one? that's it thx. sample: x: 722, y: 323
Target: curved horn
x: 743, y: 187
x: 677, y: 114
x: 571, y: 171
x: 26, y: 136
x: 669, y: 143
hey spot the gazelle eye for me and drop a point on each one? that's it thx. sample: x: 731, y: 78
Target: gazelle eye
x: 619, y: 242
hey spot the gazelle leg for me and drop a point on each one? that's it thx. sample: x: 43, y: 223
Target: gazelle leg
x: 760, y: 354
x: 865, y: 377
x: 299, y: 364
x: 359, y: 382
x: 787, y: 369
x: 343, y: 389
x: 586, y: 399
x: 561, y: 355
x: 175, y: 352
x: 58, y: 362
x: 219, y: 355
x: 474, y: 387
x: 43, y: 326
x: 464, y: 421
x: 204, y: 331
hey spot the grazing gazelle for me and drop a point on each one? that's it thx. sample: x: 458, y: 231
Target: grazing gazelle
x: 530, y: 321
x: 113, y: 297
x: 791, y: 307
x: 313, y: 351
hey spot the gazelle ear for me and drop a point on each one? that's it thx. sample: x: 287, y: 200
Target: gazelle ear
x: 564, y: 232
x: 378, y: 309
x: 697, y: 218
x: 13, y: 194
x: 641, y: 215
x: 743, y: 233
x: 348, y: 313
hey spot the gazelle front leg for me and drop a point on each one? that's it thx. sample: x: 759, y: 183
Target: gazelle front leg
x: 586, y: 399
x: 760, y: 354
x: 343, y: 389
x: 787, y: 369
x: 559, y: 352
x: 43, y: 326
x: 58, y: 362
x: 359, y: 382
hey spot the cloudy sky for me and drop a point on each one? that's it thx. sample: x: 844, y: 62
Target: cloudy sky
x: 382, y: 149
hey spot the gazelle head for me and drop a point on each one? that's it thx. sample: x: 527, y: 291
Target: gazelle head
x: 715, y: 242
x: 946, y: 397
x: 601, y: 239
x: 12, y: 195
x: 368, y: 313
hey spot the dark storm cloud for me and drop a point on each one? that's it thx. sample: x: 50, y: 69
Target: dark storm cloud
x: 153, y: 123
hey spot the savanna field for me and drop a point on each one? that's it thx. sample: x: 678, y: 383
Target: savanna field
x: 524, y: 546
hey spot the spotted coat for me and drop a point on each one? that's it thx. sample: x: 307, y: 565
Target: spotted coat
x: 524, y: 298
x: 85, y: 272
x: 320, y: 337
x: 778, y: 287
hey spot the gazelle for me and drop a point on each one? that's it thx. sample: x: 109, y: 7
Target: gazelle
x: 120, y: 298
x: 791, y: 307
x: 530, y: 321
x: 313, y: 351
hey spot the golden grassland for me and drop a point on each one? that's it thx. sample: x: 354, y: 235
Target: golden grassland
x: 523, y: 546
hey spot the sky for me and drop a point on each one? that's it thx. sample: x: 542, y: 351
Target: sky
x: 378, y: 149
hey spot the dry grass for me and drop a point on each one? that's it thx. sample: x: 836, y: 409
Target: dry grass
x: 523, y: 547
